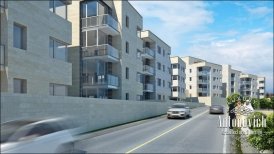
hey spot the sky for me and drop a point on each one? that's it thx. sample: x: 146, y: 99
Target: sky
x: 239, y: 33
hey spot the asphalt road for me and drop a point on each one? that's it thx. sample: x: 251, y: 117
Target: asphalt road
x: 198, y: 134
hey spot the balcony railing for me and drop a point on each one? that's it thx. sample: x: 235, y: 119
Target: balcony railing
x: 101, y: 20
x: 246, y: 82
x: 203, y: 73
x: 148, y: 69
x: 148, y: 51
x: 148, y: 87
x: 107, y: 79
x: 203, y: 81
x: 2, y: 55
x: 203, y: 89
x: 101, y: 50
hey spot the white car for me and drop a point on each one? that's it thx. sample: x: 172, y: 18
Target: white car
x: 36, y: 136
x: 179, y: 110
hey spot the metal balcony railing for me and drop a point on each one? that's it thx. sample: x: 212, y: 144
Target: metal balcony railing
x: 101, y: 20
x: 100, y: 50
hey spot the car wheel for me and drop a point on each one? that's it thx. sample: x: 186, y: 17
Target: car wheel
x: 66, y: 148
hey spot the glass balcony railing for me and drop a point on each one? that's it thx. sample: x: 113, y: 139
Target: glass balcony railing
x: 203, y: 73
x: 148, y: 51
x: 148, y: 69
x: 101, y: 20
x: 100, y: 50
x: 148, y: 87
x: 106, y: 79
x: 203, y: 81
x: 203, y: 89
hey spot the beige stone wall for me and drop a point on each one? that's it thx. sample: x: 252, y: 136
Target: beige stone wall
x: 34, y: 64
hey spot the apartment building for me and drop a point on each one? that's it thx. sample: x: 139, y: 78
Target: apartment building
x: 248, y: 85
x: 34, y: 40
x: 109, y: 57
x: 203, y: 79
x: 230, y: 80
x: 261, y: 87
x: 178, y: 67
x: 157, y: 71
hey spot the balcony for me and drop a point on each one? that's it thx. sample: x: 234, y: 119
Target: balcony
x: 3, y: 6
x: 203, y: 90
x: 107, y: 81
x: 148, y: 88
x: 105, y: 23
x: 104, y: 52
x: 203, y: 81
x: 148, y: 53
x: 175, y: 71
x: 246, y: 82
x: 245, y: 89
x: 175, y: 94
x: 203, y: 73
x: 148, y: 70
x: 2, y: 57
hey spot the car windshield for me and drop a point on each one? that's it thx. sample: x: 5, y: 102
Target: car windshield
x: 178, y: 106
x: 9, y: 128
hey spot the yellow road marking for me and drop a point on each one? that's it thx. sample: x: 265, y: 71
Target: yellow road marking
x: 155, y: 138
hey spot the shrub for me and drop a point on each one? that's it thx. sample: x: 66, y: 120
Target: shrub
x: 255, y: 102
x: 264, y: 141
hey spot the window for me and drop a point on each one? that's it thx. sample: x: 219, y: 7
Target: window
x: 127, y: 73
x: 127, y: 47
x: 19, y: 86
x: 159, y: 82
x: 164, y: 68
x: 174, y: 77
x: 164, y: 97
x: 57, y: 50
x: 127, y: 21
x: 190, y: 78
x: 164, y: 52
x: 19, y: 36
x: 138, y: 53
x: 139, y: 77
x: 58, y: 7
x: 214, y: 70
x: 159, y: 65
x: 190, y: 70
x: 174, y: 89
x: 159, y: 97
x: 57, y: 89
x: 169, y: 84
x: 190, y: 87
x: 164, y: 83
x: 159, y: 49
x: 127, y: 96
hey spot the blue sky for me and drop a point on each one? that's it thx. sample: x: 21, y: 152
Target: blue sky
x: 239, y: 33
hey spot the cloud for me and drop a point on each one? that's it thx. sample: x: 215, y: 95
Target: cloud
x: 175, y: 18
x: 250, y: 53
x: 259, y: 11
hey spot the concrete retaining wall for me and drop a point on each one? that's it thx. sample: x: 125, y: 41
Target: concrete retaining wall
x: 90, y: 113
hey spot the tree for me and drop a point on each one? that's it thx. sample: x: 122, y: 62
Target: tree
x: 265, y: 103
x: 255, y: 102
x: 233, y: 99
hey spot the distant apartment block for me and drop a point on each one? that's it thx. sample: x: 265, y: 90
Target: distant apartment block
x: 178, y: 77
x: 203, y: 79
x: 157, y: 71
x: 110, y: 57
x: 230, y: 80
x: 248, y: 85
x: 34, y: 40
x: 261, y: 86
